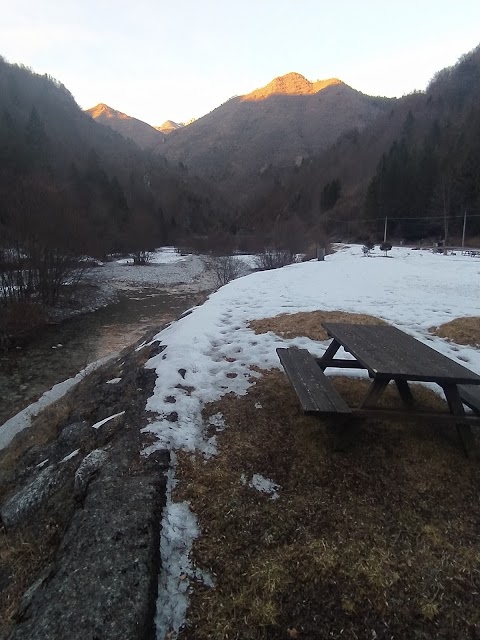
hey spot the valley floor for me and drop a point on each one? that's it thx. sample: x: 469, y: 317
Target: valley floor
x: 261, y: 515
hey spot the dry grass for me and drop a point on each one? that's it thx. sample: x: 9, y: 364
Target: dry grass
x: 379, y: 541
x: 23, y: 555
x: 308, y: 323
x: 44, y: 428
x: 26, y: 550
x: 460, y: 331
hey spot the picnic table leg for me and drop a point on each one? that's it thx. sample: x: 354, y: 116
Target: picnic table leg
x: 405, y: 392
x: 456, y: 408
x: 332, y: 349
x: 376, y: 389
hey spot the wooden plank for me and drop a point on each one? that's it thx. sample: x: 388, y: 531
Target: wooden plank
x: 375, y: 390
x: 332, y: 349
x: 456, y: 407
x: 338, y: 363
x: 314, y: 390
x: 389, y: 352
x: 405, y: 393
x: 304, y: 395
x: 470, y: 396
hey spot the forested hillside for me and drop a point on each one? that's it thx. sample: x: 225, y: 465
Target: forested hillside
x: 275, y: 126
x: 82, y: 186
x: 140, y: 132
x: 418, y: 165
x: 431, y: 172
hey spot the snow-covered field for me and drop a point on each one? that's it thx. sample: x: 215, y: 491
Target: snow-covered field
x: 211, y: 351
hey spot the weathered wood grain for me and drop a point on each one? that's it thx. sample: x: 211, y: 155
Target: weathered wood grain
x: 314, y: 390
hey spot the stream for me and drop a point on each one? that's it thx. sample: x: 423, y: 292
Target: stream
x: 62, y: 350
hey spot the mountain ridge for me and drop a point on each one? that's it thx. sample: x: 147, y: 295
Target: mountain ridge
x: 137, y: 130
x: 291, y: 83
x: 282, y: 123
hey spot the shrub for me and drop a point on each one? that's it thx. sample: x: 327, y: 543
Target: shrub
x: 274, y: 258
x: 141, y: 257
x: 367, y: 247
x: 19, y: 320
x: 225, y: 269
x: 385, y: 247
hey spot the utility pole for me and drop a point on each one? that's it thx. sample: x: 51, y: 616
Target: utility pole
x: 464, y: 225
x: 385, y: 229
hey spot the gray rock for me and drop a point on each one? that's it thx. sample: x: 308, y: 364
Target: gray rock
x: 89, y: 466
x: 31, y: 496
x: 30, y: 593
x: 105, y: 578
x: 75, y: 434
x: 108, y: 431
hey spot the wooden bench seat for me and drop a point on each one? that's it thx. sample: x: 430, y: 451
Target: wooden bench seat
x: 314, y: 390
x: 470, y: 395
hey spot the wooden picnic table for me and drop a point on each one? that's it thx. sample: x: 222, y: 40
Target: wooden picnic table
x: 388, y: 354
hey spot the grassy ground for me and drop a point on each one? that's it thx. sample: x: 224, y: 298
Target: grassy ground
x: 308, y: 323
x: 460, y: 330
x: 377, y: 541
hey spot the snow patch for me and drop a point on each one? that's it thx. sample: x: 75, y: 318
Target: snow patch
x: 97, y: 425
x: 179, y: 530
x: 23, y: 419
x: 70, y: 456
x: 262, y: 484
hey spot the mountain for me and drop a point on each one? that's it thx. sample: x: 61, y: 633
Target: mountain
x: 69, y: 182
x: 168, y: 126
x: 417, y: 163
x: 293, y: 84
x: 283, y: 123
x: 140, y: 132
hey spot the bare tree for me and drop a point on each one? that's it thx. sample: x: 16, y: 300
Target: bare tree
x: 272, y: 258
x: 225, y: 269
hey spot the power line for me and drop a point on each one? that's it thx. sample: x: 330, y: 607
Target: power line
x: 459, y: 217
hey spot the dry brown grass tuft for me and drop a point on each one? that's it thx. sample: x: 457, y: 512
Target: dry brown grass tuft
x: 460, y: 330
x: 25, y: 553
x: 381, y: 537
x: 43, y: 429
x: 308, y: 323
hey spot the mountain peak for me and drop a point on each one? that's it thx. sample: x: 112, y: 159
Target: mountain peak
x: 290, y: 84
x: 104, y: 111
x: 168, y: 126
x: 140, y: 132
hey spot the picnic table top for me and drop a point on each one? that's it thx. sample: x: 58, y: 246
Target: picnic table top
x: 390, y: 353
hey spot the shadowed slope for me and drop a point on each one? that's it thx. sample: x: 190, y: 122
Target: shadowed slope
x: 289, y: 119
x: 137, y: 130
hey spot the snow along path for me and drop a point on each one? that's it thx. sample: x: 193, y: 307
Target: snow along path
x: 210, y: 352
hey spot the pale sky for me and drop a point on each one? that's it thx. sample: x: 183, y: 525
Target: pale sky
x: 157, y: 60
